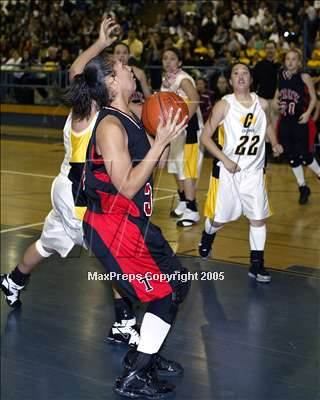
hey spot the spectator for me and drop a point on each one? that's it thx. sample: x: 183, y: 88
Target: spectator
x: 14, y: 60
x: 210, y: 57
x: 135, y: 45
x: 314, y: 62
x: 243, y: 58
x: 240, y: 21
x: 266, y: 77
x: 181, y: 22
x: 200, y: 49
x: 234, y: 45
x: 189, y: 7
x: 221, y: 87
x: 51, y: 61
x: 186, y: 54
x: 274, y: 36
x: 208, y: 26
x: 220, y: 37
x: 254, y: 19
x: 65, y: 60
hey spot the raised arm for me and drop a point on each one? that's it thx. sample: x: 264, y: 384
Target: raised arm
x: 104, y: 40
x: 192, y: 94
x: 112, y: 145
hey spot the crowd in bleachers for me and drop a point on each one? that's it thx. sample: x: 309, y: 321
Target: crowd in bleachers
x: 207, y: 32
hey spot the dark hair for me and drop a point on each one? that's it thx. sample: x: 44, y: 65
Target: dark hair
x: 201, y: 78
x: 175, y: 51
x: 229, y: 71
x: 270, y: 42
x: 89, y: 86
x: 117, y: 43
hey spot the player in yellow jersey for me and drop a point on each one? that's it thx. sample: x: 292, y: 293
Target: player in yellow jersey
x: 238, y: 185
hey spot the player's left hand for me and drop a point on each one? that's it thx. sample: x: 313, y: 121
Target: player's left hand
x: 109, y: 30
x: 304, y: 118
x: 277, y: 149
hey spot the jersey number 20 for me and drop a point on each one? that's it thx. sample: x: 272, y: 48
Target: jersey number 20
x: 245, y: 147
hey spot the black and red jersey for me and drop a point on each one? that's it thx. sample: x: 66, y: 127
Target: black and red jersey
x: 293, y: 95
x: 103, y: 197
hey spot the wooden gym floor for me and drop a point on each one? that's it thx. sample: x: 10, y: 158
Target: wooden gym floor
x: 237, y: 340
x: 28, y: 168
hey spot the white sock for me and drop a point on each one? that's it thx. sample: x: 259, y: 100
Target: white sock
x: 299, y: 174
x: 257, y: 237
x: 315, y: 167
x: 153, y: 332
x: 210, y: 228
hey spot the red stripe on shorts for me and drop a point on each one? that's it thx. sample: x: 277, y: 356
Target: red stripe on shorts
x: 126, y: 244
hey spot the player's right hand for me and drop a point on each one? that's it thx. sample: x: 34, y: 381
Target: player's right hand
x: 231, y: 166
x: 170, y: 130
x: 108, y: 29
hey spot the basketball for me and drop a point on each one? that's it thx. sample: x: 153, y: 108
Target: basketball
x: 159, y: 104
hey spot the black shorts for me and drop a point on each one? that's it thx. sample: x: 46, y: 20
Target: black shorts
x: 128, y: 245
x: 294, y: 138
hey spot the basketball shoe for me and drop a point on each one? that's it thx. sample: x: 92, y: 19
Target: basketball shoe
x: 11, y: 291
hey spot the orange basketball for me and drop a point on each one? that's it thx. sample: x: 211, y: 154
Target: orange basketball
x: 159, y: 104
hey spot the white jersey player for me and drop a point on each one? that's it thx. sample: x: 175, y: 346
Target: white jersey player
x: 62, y: 229
x: 185, y: 156
x: 237, y: 184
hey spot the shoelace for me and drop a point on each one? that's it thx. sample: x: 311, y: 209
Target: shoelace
x: 134, y: 334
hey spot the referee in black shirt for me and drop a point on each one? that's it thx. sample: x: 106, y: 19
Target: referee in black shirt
x: 265, y: 76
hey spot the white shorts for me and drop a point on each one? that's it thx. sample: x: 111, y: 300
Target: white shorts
x: 232, y: 195
x: 185, y: 160
x: 62, y: 229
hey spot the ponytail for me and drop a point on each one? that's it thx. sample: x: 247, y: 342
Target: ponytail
x: 87, y: 87
x: 78, y: 97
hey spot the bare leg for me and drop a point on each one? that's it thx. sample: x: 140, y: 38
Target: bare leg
x: 179, y: 183
x: 116, y: 294
x: 30, y: 259
x: 189, y: 188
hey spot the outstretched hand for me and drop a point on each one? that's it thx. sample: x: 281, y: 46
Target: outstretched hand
x: 109, y: 31
x: 171, y: 129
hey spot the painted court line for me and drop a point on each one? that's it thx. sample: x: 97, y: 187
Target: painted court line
x: 6, y: 171
x: 18, y: 228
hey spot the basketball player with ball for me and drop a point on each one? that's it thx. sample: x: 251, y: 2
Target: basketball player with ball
x: 237, y: 184
x: 118, y: 186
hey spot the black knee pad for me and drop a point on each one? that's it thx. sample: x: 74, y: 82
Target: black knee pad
x: 295, y: 162
x: 164, y: 308
x: 182, y: 286
x: 307, y: 159
x: 167, y: 307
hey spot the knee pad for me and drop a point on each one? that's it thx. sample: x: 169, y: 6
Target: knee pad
x: 167, y: 307
x: 307, y: 159
x: 295, y: 162
x: 182, y: 286
x: 164, y: 308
